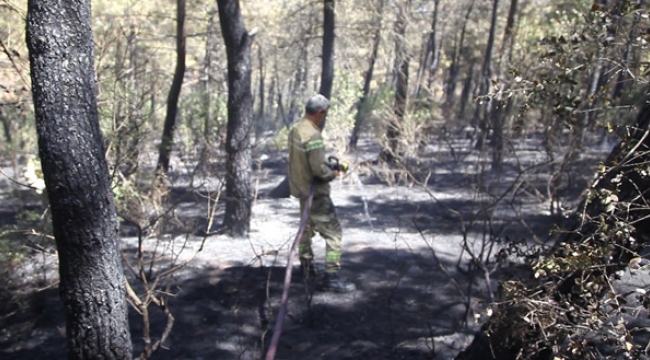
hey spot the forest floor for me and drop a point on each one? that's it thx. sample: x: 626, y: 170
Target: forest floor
x: 406, y: 242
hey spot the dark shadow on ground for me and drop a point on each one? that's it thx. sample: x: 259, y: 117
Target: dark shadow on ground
x: 403, y: 302
x: 36, y: 329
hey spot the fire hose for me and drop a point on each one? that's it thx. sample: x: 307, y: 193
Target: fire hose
x: 334, y: 164
x: 273, y: 347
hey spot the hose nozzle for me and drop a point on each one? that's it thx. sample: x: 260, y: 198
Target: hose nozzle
x: 334, y: 164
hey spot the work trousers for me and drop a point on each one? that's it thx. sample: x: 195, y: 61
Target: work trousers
x: 322, y: 220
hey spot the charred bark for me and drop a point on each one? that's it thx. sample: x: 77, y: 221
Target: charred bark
x: 509, y: 33
x: 260, y: 116
x: 167, y: 141
x: 624, y: 80
x: 6, y: 126
x: 239, y: 195
x: 92, y: 284
x: 208, y: 64
x: 327, y: 76
x: 367, y: 79
x: 484, y: 108
x: 391, y: 151
x: 430, y: 60
x: 501, y: 103
x: 454, y: 68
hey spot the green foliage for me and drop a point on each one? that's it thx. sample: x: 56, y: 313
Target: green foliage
x: 123, y: 191
x: 376, y: 107
x: 574, y: 307
x: 281, y: 138
x: 340, y: 117
x: 572, y: 46
x: 203, y: 121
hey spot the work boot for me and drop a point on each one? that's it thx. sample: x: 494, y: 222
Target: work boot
x: 307, y: 269
x: 333, y: 282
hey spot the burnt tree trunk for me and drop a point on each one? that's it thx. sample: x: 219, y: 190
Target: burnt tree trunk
x: 298, y: 87
x: 208, y: 78
x: 509, y: 34
x: 6, y: 126
x: 430, y: 59
x: 260, y: 116
x: 167, y: 141
x: 239, y: 195
x: 468, y: 84
x: 92, y: 283
x: 501, y: 103
x: 354, y: 138
x: 624, y: 80
x: 327, y: 75
x: 483, y: 108
x: 454, y: 67
x: 391, y: 151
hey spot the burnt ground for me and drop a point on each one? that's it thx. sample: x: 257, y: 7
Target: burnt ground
x: 417, y: 298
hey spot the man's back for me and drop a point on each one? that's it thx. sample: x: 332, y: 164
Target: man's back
x: 307, y: 160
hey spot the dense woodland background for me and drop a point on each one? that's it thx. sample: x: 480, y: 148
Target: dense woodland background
x: 549, y: 65
x: 172, y: 98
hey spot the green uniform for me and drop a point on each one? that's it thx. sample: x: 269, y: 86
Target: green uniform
x: 307, y: 164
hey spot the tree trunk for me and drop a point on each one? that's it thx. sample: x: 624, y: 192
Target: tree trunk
x: 327, y: 75
x: 270, y: 100
x: 392, y: 149
x: 430, y: 59
x: 210, y: 40
x: 92, y: 284
x: 501, y: 103
x: 466, y: 92
x: 327, y: 70
x: 509, y: 33
x: 299, y: 87
x: 6, y: 127
x: 239, y: 195
x: 454, y: 68
x: 483, y: 108
x: 434, y: 61
x: 624, y: 79
x: 367, y: 79
x: 167, y: 140
x: 260, y: 116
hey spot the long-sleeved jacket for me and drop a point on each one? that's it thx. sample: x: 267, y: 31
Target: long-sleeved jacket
x: 307, y: 161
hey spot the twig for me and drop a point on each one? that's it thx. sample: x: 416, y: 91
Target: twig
x: 17, y: 182
x: 440, y: 265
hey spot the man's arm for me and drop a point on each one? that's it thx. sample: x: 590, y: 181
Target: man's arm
x: 315, y: 149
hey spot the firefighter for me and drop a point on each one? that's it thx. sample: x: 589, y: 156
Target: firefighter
x: 307, y: 164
